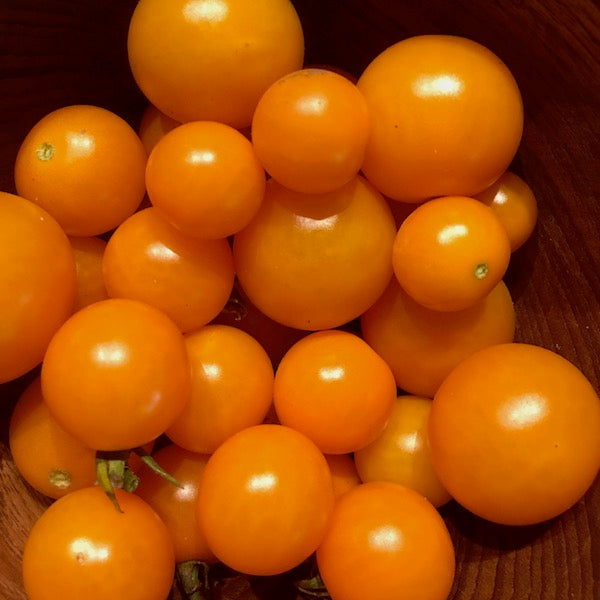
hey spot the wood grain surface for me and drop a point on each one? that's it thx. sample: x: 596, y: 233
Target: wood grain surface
x: 59, y: 52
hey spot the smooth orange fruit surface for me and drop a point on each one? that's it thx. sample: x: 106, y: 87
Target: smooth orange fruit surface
x: 89, y: 253
x: 422, y: 346
x: 401, y: 453
x: 36, y: 294
x: 450, y: 252
x: 280, y: 482
x: 514, y: 433
x: 310, y: 130
x: 214, y: 58
x: 189, y: 279
x: 343, y: 473
x: 85, y: 166
x: 386, y: 541
x: 447, y: 118
x: 205, y: 179
x: 232, y: 387
x: 335, y: 389
x: 316, y: 261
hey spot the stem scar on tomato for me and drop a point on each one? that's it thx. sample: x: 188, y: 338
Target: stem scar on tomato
x: 45, y: 151
x: 481, y: 270
x: 59, y: 478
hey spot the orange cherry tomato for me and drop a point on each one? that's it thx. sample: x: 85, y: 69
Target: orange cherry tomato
x: 81, y: 547
x: 343, y: 473
x: 51, y: 460
x: 154, y: 125
x: 386, y: 541
x: 450, y: 252
x: 447, y: 118
x: 205, y: 179
x: 514, y: 433
x: 265, y: 499
x: 335, y: 389
x: 305, y: 260
x: 232, y: 387
x: 85, y: 166
x: 514, y: 203
x: 116, y: 374
x: 189, y: 279
x: 422, y: 346
x: 215, y: 58
x: 401, y: 453
x: 88, y: 253
x: 310, y: 130
x: 176, y: 506
x: 38, y: 294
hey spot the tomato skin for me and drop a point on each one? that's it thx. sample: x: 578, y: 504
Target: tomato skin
x: 265, y: 499
x: 422, y: 346
x: 386, y: 541
x: 153, y: 126
x: 116, y: 374
x: 214, y: 59
x: 514, y: 433
x: 343, y: 473
x: 38, y: 295
x: 447, y: 118
x: 89, y: 253
x: 339, y: 271
x: 79, y: 546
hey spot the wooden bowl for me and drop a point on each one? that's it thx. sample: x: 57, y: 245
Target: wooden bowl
x: 57, y: 53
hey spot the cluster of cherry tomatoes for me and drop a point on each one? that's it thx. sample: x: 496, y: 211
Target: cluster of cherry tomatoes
x: 285, y: 293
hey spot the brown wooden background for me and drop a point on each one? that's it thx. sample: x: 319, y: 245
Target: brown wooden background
x: 59, y: 52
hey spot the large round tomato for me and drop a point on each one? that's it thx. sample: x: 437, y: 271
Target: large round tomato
x: 38, y: 294
x: 514, y: 432
x: 82, y: 547
x: 447, y: 118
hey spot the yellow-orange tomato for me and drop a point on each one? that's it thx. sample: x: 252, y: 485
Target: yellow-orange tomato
x: 316, y: 261
x: 514, y: 433
x: 88, y: 253
x: 85, y: 166
x: 49, y: 459
x: 214, y: 58
x: 422, y: 346
x: 154, y: 125
x: 310, y: 130
x: 265, y: 499
x: 386, y: 541
x: 205, y: 179
x: 401, y: 453
x: 450, y: 252
x: 335, y: 389
x: 343, y: 473
x: 514, y: 203
x: 447, y: 118
x: 189, y: 279
x: 176, y: 506
x: 232, y: 387
x: 37, y: 279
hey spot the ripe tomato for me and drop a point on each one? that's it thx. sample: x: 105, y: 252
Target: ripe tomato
x: 335, y: 389
x: 214, y: 58
x: 85, y: 166
x: 265, y: 499
x: 205, y: 179
x: 81, y: 547
x: 176, y: 506
x: 88, y: 253
x: 447, y: 118
x: 514, y: 433
x: 189, y: 279
x: 116, y: 374
x: 232, y: 387
x: 514, y: 203
x: 153, y: 126
x: 386, y: 541
x: 48, y: 458
x: 401, y: 453
x: 343, y: 473
x: 422, y: 346
x: 450, y: 252
x: 310, y: 130
x: 306, y: 260
x: 37, y: 294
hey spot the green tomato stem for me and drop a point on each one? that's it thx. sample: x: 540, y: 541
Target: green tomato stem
x: 193, y: 577
x: 152, y: 464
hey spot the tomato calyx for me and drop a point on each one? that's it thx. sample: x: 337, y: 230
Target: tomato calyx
x: 194, y: 580
x: 312, y: 586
